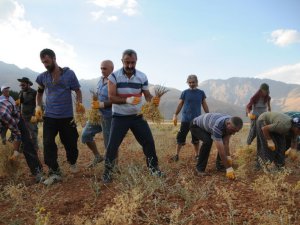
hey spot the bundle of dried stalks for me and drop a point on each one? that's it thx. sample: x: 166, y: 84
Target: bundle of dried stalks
x: 94, y: 116
x: 149, y: 110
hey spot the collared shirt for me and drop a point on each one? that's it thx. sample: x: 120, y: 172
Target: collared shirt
x: 213, y: 123
x: 9, y: 118
x: 59, y: 93
x: 102, y: 92
x: 127, y: 87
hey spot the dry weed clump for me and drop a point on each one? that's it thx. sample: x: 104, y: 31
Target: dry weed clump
x: 94, y: 116
x: 245, y: 158
x: 9, y: 168
x: 42, y: 216
x: 150, y: 111
x: 16, y: 192
x: 124, y: 208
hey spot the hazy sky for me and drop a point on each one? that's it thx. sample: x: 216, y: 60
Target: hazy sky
x: 173, y: 38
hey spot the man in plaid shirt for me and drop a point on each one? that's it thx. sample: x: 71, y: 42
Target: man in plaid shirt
x: 12, y: 120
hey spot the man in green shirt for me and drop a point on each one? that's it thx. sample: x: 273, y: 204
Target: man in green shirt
x: 273, y: 128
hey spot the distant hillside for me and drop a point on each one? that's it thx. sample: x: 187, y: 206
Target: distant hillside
x: 227, y: 96
x: 238, y: 91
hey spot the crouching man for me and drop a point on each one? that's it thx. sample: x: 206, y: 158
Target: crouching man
x: 11, y: 119
x: 219, y: 128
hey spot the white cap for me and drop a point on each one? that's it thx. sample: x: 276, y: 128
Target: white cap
x: 4, y: 87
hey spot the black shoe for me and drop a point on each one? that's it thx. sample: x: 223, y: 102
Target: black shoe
x: 156, y: 172
x: 221, y: 168
x: 175, y: 158
x: 106, y: 178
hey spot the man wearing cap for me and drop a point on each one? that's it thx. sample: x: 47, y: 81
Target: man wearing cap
x: 27, y: 98
x: 259, y: 103
x: 11, y: 119
x: 272, y: 131
x: 294, y: 114
x: 5, y: 96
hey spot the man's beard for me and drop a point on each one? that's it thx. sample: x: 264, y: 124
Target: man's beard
x: 50, y: 68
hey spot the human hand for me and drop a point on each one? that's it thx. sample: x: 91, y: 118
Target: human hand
x: 33, y: 119
x: 133, y: 100
x: 80, y: 108
x: 229, y: 160
x: 251, y: 116
x: 271, y: 145
x: 292, y: 154
x: 230, y: 173
x: 38, y: 112
x: 174, y: 120
x: 17, y: 102
x: 97, y: 105
x: 155, y: 100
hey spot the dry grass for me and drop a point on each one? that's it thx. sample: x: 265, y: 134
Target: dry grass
x: 136, y: 197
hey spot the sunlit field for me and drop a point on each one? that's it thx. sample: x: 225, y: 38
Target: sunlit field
x: 136, y: 197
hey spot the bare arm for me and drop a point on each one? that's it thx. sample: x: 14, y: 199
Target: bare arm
x: 226, y: 144
x: 222, y: 152
x: 112, y: 94
x: 269, y: 106
x: 39, y: 99
x: 179, y: 107
x: 78, y: 95
x: 147, y: 95
x: 205, y: 106
x: 266, y: 131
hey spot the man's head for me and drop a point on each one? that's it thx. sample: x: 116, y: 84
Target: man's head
x: 106, y: 67
x: 192, y: 81
x: 233, y: 125
x: 129, y: 58
x: 48, y: 58
x: 25, y: 83
x: 5, y: 90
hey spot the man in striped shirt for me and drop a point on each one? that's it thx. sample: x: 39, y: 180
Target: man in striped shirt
x: 11, y: 119
x: 219, y: 128
x: 125, y: 89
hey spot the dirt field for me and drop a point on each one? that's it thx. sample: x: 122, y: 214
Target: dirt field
x: 135, y: 197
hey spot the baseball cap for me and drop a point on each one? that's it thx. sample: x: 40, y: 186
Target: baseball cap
x: 4, y: 87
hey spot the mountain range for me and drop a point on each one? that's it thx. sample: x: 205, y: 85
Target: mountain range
x: 226, y: 96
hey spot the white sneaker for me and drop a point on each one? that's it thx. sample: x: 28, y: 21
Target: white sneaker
x: 74, y: 168
x: 54, y: 178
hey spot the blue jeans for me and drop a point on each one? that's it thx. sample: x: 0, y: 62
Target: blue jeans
x: 141, y: 131
x: 89, y: 131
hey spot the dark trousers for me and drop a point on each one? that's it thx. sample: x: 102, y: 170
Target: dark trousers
x: 29, y: 152
x: 252, y: 132
x: 264, y: 154
x: 141, y: 131
x: 68, y: 134
x: 205, y: 137
x: 183, y: 132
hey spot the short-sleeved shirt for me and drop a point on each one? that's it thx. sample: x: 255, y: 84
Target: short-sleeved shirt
x: 59, y: 93
x: 9, y: 118
x: 28, y: 103
x: 213, y: 123
x: 128, y: 87
x: 279, y: 122
x: 102, y: 92
x: 192, y: 99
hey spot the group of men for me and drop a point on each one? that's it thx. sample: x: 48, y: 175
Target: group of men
x: 119, y: 101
